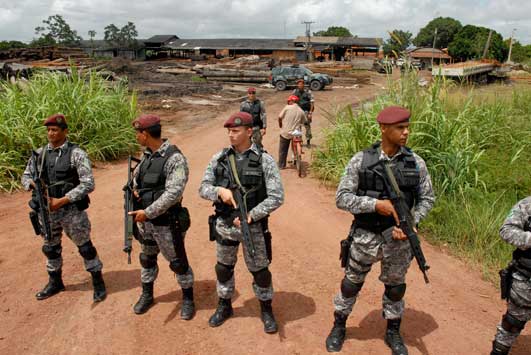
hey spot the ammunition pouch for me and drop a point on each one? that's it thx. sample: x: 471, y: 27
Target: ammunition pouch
x: 212, y: 233
x: 267, y: 238
x: 344, y: 245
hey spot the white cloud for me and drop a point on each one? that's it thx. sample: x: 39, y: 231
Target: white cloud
x: 274, y: 18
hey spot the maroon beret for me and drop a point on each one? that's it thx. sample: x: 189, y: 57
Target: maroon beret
x: 146, y: 121
x: 239, y: 119
x: 393, y: 114
x: 56, y: 120
x: 251, y: 91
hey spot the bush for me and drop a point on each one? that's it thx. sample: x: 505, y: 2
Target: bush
x: 99, y: 118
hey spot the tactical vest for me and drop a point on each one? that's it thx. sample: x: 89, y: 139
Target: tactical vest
x: 58, y: 174
x: 251, y: 177
x: 151, y: 182
x: 304, y: 100
x: 523, y: 257
x: 371, y: 184
x: 255, y: 108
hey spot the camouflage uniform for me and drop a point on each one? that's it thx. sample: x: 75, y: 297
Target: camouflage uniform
x: 158, y: 238
x: 307, y: 122
x: 514, y: 232
x: 227, y: 252
x: 69, y: 218
x: 368, y: 247
x: 247, y: 106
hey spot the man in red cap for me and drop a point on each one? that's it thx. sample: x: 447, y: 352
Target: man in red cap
x: 290, y: 119
x: 67, y: 173
x: 158, y: 182
x: 256, y: 108
x: 374, y: 233
x: 306, y: 103
x: 254, y: 173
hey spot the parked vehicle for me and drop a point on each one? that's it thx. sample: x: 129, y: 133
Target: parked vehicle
x: 286, y: 76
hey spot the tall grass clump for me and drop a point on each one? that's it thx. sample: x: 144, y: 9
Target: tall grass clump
x: 477, y: 146
x: 99, y: 118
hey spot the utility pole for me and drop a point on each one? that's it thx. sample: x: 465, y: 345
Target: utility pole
x: 308, y: 35
x: 433, y: 47
x: 511, y: 47
x: 487, y: 45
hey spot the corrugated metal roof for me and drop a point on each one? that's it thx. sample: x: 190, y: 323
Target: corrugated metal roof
x: 162, y: 39
x: 341, y: 41
x: 427, y: 52
x: 235, y: 43
x: 317, y: 39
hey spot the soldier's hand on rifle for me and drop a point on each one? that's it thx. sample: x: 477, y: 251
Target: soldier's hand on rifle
x: 56, y: 203
x: 398, y: 234
x: 140, y: 215
x: 263, y: 131
x: 32, y: 185
x: 385, y: 208
x: 226, y: 196
x: 237, y: 223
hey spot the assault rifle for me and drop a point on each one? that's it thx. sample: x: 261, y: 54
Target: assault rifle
x: 405, y: 218
x: 40, y: 213
x: 239, y: 193
x: 129, y: 227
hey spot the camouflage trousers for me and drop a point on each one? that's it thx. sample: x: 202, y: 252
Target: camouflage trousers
x: 76, y: 225
x: 257, y: 137
x: 307, y: 126
x: 366, y: 249
x: 518, y: 306
x: 157, y: 239
x: 227, y: 254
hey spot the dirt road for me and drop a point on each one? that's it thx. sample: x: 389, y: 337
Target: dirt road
x: 455, y: 314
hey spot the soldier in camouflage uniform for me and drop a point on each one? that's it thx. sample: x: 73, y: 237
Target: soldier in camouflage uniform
x: 67, y: 173
x: 159, y: 182
x: 260, y: 177
x: 516, y: 230
x: 256, y: 108
x: 306, y: 102
x: 361, y: 193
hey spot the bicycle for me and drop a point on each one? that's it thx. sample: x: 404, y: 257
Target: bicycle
x: 296, y: 148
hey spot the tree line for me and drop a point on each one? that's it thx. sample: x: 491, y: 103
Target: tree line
x: 55, y: 31
x: 463, y: 42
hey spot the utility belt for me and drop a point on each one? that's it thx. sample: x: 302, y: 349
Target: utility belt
x: 506, y: 276
x: 81, y: 205
x: 213, y: 234
x: 177, y: 215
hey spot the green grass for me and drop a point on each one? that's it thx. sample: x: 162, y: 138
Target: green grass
x: 477, y: 145
x: 99, y: 118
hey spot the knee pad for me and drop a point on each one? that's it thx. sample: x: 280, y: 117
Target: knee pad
x: 224, y: 272
x: 52, y: 251
x: 262, y: 278
x: 395, y: 293
x: 87, y: 251
x: 178, y: 266
x: 148, y: 261
x: 511, y: 324
x: 349, y: 289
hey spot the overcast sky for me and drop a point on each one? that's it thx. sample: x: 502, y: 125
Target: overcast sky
x: 266, y: 18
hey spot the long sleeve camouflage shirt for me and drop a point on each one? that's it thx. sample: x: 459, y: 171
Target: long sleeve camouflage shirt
x: 176, y: 174
x: 275, y: 191
x: 346, y: 198
x: 512, y: 230
x: 246, y: 106
x: 78, y: 159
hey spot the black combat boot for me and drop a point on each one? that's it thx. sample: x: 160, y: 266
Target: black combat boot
x: 334, y: 341
x: 270, y: 324
x: 54, y: 286
x: 499, y: 349
x: 188, y: 306
x: 146, y: 298
x: 99, y: 286
x: 393, y: 339
x: 223, y: 312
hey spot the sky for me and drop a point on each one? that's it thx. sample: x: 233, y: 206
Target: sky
x: 261, y: 19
